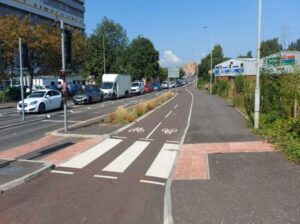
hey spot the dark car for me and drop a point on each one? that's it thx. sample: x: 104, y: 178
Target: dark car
x: 148, y: 88
x: 88, y: 95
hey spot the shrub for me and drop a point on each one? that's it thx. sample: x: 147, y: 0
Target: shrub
x: 140, y: 109
x: 3, y: 97
x: 221, y: 88
x: 151, y: 104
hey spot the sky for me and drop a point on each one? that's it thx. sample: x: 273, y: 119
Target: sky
x: 176, y: 27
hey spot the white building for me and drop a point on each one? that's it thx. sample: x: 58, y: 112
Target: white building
x: 234, y: 67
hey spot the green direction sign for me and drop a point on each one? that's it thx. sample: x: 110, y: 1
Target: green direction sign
x: 173, y: 72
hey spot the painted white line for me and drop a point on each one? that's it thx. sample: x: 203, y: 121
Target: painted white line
x: 153, y: 130
x: 121, y: 163
x: 168, y: 114
x: 105, y: 177
x: 146, y: 139
x: 163, y: 163
x: 173, y: 142
x: 59, y: 121
x: 176, y: 106
x: 121, y: 137
x: 62, y: 172
x: 90, y: 155
x: 152, y: 182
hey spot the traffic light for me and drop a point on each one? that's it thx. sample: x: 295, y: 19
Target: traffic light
x: 68, y: 46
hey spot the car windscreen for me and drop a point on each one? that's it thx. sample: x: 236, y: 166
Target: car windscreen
x: 135, y: 84
x: 36, y: 95
x: 107, y: 85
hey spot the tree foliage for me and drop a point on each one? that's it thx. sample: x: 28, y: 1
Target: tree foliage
x: 294, y: 46
x: 269, y: 47
x: 142, y: 59
x: 115, y: 42
x: 205, y: 65
x: 248, y: 55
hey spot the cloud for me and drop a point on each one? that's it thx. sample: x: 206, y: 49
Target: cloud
x: 169, y: 58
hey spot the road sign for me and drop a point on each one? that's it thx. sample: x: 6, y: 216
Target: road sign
x: 173, y: 72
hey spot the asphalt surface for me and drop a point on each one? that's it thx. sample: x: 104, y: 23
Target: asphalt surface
x: 214, y: 120
x: 243, y: 187
x: 131, y: 177
x: 41, y: 124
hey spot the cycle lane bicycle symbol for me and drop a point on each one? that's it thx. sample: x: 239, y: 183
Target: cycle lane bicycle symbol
x: 169, y: 131
x: 137, y: 130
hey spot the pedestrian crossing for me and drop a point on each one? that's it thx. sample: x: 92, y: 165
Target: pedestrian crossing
x: 160, y: 167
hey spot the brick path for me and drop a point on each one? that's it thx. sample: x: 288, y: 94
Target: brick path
x: 193, y: 160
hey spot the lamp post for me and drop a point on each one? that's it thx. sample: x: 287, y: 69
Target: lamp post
x: 103, y: 45
x: 211, y: 60
x: 257, y: 89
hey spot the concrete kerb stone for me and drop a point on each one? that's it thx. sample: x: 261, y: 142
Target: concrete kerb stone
x: 168, y: 218
x: 46, y: 166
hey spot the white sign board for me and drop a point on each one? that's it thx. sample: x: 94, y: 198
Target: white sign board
x: 173, y: 72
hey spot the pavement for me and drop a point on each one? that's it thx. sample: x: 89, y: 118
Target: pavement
x: 226, y: 174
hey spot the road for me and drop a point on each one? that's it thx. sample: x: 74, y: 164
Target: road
x: 121, y: 180
x: 11, y: 136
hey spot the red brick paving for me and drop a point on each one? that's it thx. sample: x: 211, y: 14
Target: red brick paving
x: 193, y: 160
x: 29, y: 147
x: 73, y: 150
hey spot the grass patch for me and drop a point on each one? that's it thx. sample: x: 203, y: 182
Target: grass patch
x: 125, y: 116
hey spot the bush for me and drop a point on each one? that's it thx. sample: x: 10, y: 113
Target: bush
x: 3, y: 97
x: 151, y: 104
x: 221, y: 88
x: 140, y: 109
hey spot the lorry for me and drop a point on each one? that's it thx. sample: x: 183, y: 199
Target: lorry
x: 116, y: 86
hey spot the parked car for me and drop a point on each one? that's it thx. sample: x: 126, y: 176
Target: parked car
x: 156, y: 86
x: 51, y: 87
x: 42, y: 101
x: 88, y: 95
x: 148, y: 88
x: 172, y: 84
x: 137, y: 88
x: 165, y: 85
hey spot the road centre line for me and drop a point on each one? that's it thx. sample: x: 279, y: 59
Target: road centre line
x: 105, y: 177
x: 168, y: 114
x: 176, y: 106
x: 153, y: 130
x: 152, y: 182
x: 62, y: 172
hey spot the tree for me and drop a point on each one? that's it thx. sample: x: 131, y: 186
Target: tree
x: 270, y: 47
x: 142, y: 59
x: 181, y: 73
x: 248, y: 55
x: 294, y: 46
x: 205, y: 65
x: 163, y: 73
x: 115, y: 42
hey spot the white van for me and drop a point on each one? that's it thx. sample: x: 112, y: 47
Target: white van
x: 116, y: 85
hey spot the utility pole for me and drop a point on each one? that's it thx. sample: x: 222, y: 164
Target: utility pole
x: 257, y: 89
x: 211, y: 64
x: 63, y: 73
x: 21, y: 77
x: 104, y: 66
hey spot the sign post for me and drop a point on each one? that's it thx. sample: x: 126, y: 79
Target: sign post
x: 63, y: 74
x: 21, y: 77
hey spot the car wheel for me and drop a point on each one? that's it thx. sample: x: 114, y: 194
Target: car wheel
x: 90, y: 100
x: 42, y: 108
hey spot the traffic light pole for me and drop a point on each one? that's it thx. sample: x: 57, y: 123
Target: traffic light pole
x: 64, y: 90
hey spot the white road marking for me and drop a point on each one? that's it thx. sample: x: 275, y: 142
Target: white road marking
x: 168, y: 114
x: 121, y: 163
x: 153, y: 130
x: 173, y: 142
x: 90, y: 155
x: 152, y: 182
x: 162, y: 165
x: 60, y: 121
x: 168, y: 131
x: 146, y: 139
x: 176, y: 106
x: 121, y: 137
x: 105, y: 177
x: 62, y: 172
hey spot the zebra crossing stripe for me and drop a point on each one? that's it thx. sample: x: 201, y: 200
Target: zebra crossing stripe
x: 162, y: 165
x: 92, y: 154
x: 121, y: 163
